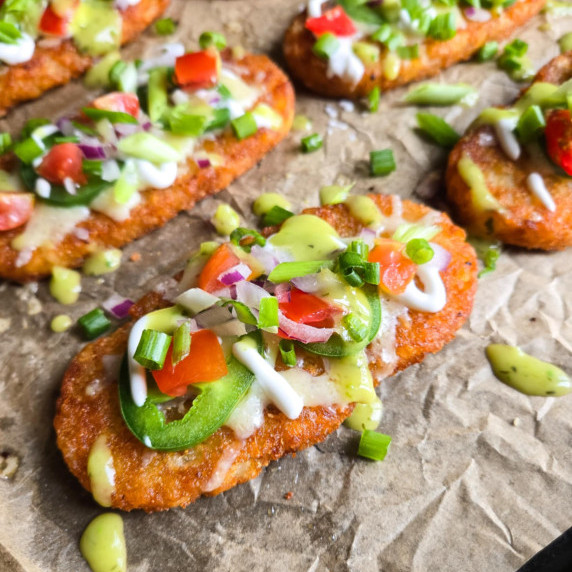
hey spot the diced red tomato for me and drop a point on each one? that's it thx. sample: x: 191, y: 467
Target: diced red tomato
x: 63, y: 161
x: 335, y: 21
x: 198, y: 68
x: 559, y: 138
x: 205, y: 362
x: 308, y: 309
x: 222, y: 259
x: 15, y: 209
x: 118, y: 101
x: 395, y: 269
x: 54, y: 25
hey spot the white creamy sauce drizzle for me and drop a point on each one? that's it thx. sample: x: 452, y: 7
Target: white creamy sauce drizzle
x: 156, y: 176
x: 537, y: 187
x: 315, y: 8
x: 504, y: 129
x: 434, y: 296
x: 137, y: 373
x: 19, y: 52
x: 344, y: 63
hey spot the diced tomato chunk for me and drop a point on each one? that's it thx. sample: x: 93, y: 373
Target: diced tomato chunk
x: 197, y: 68
x: 395, y: 269
x: 63, y: 161
x: 53, y: 24
x: 15, y: 209
x: 308, y: 309
x: 205, y: 362
x: 559, y: 138
x: 335, y: 21
x: 222, y: 259
x: 118, y: 101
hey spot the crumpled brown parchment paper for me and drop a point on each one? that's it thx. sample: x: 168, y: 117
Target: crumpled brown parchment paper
x: 479, y: 477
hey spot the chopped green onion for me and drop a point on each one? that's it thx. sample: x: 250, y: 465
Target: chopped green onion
x: 157, y: 96
x: 32, y: 124
x: 287, y: 270
x: 287, y: 352
x: 437, y: 129
x: 334, y: 194
x: 94, y: 323
x: 350, y: 259
x: 514, y: 61
x: 373, y: 445
x: 326, y: 46
x: 208, y: 39
x: 98, y: 75
x: 373, y: 99
x: 352, y: 277
x: 143, y: 145
x: 182, y: 121
x: 569, y: 101
x: 165, y: 26
x: 9, y: 33
x: 181, y: 343
x: 382, y: 162
x: 59, y: 140
x: 266, y: 201
x: 407, y: 231
x: 394, y: 41
x: 312, y: 143
x: 220, y: 119
x: 27, y: 150
x: 123, y: 76
x: 244, y: 126
x: 224, y: 91
x: 357, y: 328
x: 408, y: 52
x: 246, y: 238
x: 152, y: 349
x: 126, y: 185
x: 382, y: 34
x: 275, y: 216
x: 243, y: 312
x: 371, y: 273
x: 92, y: 167
x: 268, y: 315
x: 225, y: 220
x: 487, y: 52
x: 112, y: 116
x: 488, y: 253
x: 530, y: 123
x: 359, y: 247
x: 439, y: 94
x: 419, y: 250
x: 84, y: 128
x: 5, y: 142
x: 443, y: 26
x: 516, y: 48
x: 565, y: 42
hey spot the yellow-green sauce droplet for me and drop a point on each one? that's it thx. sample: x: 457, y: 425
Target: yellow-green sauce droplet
x: 267, y: 201
x: 65, y: 285
x: 365, y: 416
x: 334, y: 194
x: 353, y: 378
x: 96, y: 27
x: 481, y: 197
x: 391, y: 66
x: 365, y: 210
x: 225, y: 220
x: 565, y: 42
x: 527, y: 374
x: 61, y: 323
x: 101, y: 472
x: 301, y: 123
x: 102, y: 544
x: 102, y: 262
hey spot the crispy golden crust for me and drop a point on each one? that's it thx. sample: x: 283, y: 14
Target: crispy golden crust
x: 159, y: 206
x: 438, y: 55
x: 57, y: 65
x: 156, y: 480
x: 523, y: 220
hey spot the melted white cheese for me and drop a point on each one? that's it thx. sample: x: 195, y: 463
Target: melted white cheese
x: 105, y: 203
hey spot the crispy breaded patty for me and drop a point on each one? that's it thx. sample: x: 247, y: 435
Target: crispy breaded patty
x: 435, y: 55
x: 159, y: 206
x: 523, y: 220
x: 154, y: 480
x: 52, y: 66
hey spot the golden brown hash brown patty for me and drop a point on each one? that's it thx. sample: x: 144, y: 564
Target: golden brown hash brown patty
x: 524, y: 220
x: 435, y: 55
x: 158, y: 206
x: 52, y: 66
x: 154, y: 480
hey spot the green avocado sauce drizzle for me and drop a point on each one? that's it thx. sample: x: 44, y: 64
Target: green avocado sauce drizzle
x: 103, y: 544
x: 527, y: 374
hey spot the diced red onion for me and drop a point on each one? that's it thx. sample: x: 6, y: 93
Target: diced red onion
x: 282, y: 292
x: 441, y: 257
x: 308, y: 283
x: 118, y: 306
x: 64, y: 124
x: 265, y: 257
x: 368, y: 236
x: 126, y: 129
x: 203, y: 163
x: 213, y: 317
x: 235, y: 274
x: 477, y: 14
x: 302, y: 332
x: 92, y: 151
x: 250, y: 294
